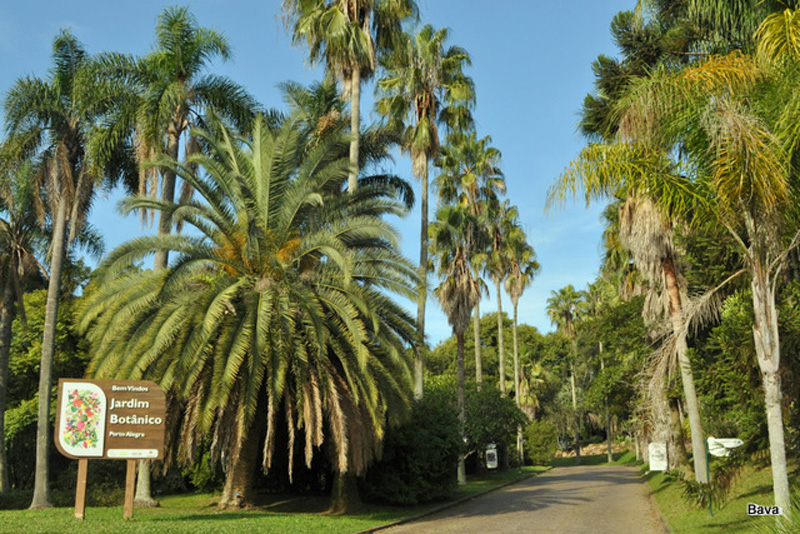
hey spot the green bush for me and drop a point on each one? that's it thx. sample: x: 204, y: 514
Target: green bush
x: 420, y: 457
x: 541, y: 441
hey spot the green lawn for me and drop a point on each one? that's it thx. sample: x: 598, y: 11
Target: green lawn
x: 754, y: 485
x: 196, y: 514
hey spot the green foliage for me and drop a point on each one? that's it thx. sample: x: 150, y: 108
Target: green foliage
x: 541, y: 441
x: 420, y: 456
x: 490, y: 418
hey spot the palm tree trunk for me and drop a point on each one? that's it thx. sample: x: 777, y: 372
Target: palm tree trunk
x: 765, y: 335
x: 678, y: 458
x: 143, y: 497
x: 419, y: 364
x: 6, y: 318
x: 239, y: 479
x: 577, y: 419
x: 687, y: 379
x: 167, y: 195
x: 605, y: 406
x: 500, y: 347
x: 355, y: 125
x: 41, y: 486
x: 476, y: 335
x: 462, y: 416
x: 520, y: 452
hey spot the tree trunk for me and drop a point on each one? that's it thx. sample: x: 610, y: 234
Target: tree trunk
x: 355, y: 125
x: 144, y: 497
x: 476, y: 328
x: 6, y: 319
x: 41, y: 487
x: 765, y: 335
x: 345, y: 498
x: 687, y: 379
x: 678, y: 459
x: 577, y: 419
x: 419, y: 364
x: 167, y: 195
x: 500, y: 347
x: 462, y: 417
x: 605, y: 406
x: 520, y: 452
x: 236, y: 492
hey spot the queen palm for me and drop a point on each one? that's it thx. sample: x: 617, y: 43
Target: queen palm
x: 348, y: 35
x: 424, y: 87
x: 58, y: 118
x: 470, y: 176
x: 563, y: 308
x: 277, y: 309
x: 453, y: 235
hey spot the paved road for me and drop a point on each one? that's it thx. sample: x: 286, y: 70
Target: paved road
x: 592, y: 499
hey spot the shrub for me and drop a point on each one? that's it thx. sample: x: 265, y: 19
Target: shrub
x: 541, y: 441
x: 420, y: 457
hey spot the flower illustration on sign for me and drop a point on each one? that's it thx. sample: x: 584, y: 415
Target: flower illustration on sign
x: 82, y: 426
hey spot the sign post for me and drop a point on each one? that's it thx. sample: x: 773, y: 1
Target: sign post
x: 112, y: 419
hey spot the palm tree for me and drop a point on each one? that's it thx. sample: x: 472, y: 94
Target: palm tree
x: 452, y: 236
x: 58, y: 119
x: 348, y: 35
x: 563, y: 307
x: 424, y: 87
x: 522, y: 266
x: 471, y: 177
x: 21, y: 237
x: 502, y: 223
x: 279, y: 303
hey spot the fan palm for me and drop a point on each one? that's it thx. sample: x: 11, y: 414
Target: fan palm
x: 58, y: 118
x: 563, y: 307
x: 348, y: 35
x: 424, y: 87
x: 470, y: 176
x: 453, y: 235
x: 522, y: 266
x: 279, y: 304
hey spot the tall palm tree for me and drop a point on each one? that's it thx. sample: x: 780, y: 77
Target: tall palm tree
x: 522, y: 266
x: 21, y: 238
x: 169, y: 93
x: 563, y: 307
x: 58, y: 118
x: 280, y: 302
x: 452, y: 236
x: 424, y: 88
x: 502, y: 223
x: 347, y: 36
x: 470, y: 176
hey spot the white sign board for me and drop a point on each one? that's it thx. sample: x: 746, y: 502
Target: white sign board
x: 658, y: 457
x: 722, y: 446
x: 491, y: 456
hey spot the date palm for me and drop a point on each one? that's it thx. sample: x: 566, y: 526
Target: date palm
x: 278, y: 308
x: 424, y: 88
x: 347, y: 36
x: 453, y: 236
x: 60, y: 120
x: 563, y: 307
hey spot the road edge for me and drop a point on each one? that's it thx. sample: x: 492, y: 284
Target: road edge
x: 447, y: 505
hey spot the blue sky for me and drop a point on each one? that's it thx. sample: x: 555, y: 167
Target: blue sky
x: 531, y: 66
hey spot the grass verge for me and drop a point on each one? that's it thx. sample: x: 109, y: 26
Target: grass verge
x: 196, y: 514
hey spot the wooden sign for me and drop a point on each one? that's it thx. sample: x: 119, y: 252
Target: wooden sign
x: 113, y: 419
